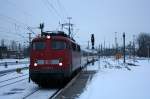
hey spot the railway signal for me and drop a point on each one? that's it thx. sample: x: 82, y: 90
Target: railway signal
x: 92, y: 40
x: 41, y: 27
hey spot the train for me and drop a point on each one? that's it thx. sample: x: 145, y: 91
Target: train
x: 54, y: 56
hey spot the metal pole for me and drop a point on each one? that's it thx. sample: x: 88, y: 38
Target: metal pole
x: 99, y: 57
x: 88, y: 45
x: 104, y: 48
x: 69, y: 30
x: 62, y: 26
x: 116, y: 43
x: 29, y: 51
x: 133, y: 48
x: 130, y: 50
x: 148, y: 53
x: 29, y: 38
x: 124, y: 48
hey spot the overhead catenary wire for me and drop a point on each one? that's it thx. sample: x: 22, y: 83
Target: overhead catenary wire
x: 51, y: 5
x: 62, y: 8
x: 7, y: 33
x: 25, y: 26
x: 52, y: 8
x: 24, y: 12
x: 10, y: 33
x: 19, y: 8
x: 10, y: 21
x: 20, y: 24
x: 27, y: 14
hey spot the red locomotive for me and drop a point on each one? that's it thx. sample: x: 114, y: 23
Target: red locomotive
x: 53, y: 56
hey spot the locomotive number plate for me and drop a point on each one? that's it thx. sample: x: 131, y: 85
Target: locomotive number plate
x: 55, y: 61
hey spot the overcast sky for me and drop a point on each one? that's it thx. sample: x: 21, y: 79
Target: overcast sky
x: 101, y: 17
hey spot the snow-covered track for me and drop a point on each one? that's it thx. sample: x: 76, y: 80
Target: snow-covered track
x: 39, y: 92
x: 12, y: 81
x: 31, y: 93
x: 13, y: 78
x: 2, y: 74
x: 50, y: 93
x: 53, y: 95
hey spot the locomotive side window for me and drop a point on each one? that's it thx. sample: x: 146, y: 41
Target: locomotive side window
x: 58, y: 45
x: 73, y: 47
x: 38, y: 45
x: 78, y: 48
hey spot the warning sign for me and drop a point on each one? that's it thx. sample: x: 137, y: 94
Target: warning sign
x: 118, y: 55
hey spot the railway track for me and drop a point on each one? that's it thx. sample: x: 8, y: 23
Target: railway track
x: 31, y: 93
x: 13, y: 82
x: 50, y: 93
x: 3, y: 74
x: 13, y: 78
x: 53, y: 95
x: 38, y: 93
x: 41, y: 93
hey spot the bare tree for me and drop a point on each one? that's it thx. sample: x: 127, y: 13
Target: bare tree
x: 2, y: 42
x: 13, y: 45
x: 143, y: 41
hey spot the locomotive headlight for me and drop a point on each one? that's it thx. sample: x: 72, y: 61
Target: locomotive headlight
x: 60, y: 64
x: 48, y: 37
x: 35, y: 64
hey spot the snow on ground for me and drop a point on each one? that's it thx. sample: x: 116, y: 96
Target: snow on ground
x: 113, y: 81
x: 14, y: 91
x: 13, y: 60
x: 9, y: 67
x: 13, y: 65
x: 23, y: 88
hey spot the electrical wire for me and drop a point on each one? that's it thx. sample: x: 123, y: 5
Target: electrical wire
x: 20, y: 24
x: 19, y: 8
x: 8, y: 32
x: 62, y: 8
x: 52, y: 8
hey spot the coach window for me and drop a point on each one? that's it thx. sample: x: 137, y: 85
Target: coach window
x: 38, y: 45
x: 58, y: 45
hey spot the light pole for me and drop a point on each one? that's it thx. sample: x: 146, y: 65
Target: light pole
x: 124, y: 60
x: 134, y: 48
x: 148, y: 53
x: 116, y: 44
x: 148, y: 48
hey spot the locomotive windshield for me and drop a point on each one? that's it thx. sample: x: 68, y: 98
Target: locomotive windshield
x: 58, y: 45
x: 38, y: 45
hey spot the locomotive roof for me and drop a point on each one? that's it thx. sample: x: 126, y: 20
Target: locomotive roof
x: 55, y: 34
